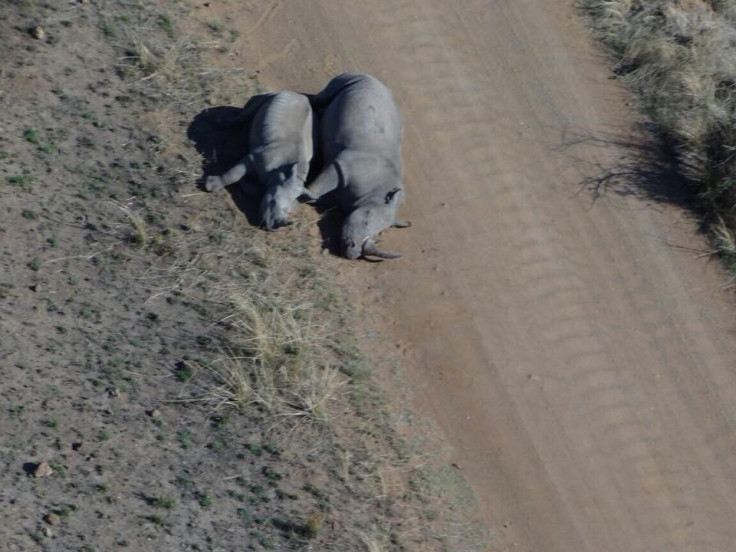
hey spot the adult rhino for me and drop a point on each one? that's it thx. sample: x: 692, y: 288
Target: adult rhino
x: 281, y: 148
x: 361, y: 131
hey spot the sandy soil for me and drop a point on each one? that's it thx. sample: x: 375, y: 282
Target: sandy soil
x: 577, y: 353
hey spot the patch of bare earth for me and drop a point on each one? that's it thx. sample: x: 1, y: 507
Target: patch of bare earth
x: 172, y: 377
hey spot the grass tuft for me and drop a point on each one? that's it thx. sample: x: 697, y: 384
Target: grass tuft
x: 138, y: 234
x: 678, y: 58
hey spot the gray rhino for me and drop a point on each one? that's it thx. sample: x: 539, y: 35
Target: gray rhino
x: 281, y: 148
x: 361, y: 132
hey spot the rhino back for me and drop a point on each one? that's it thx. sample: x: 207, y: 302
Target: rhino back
x: 363, y: 117
x: 282, y: 119
x: 282, y: 133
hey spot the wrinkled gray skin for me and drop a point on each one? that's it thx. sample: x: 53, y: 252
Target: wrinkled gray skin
x: 361, y: 132
x: 281, y: 148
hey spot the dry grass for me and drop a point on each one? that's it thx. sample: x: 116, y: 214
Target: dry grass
x: 138, y: 235
x: 371, y: 543
x: 678, y: 57
x: 275, y: 356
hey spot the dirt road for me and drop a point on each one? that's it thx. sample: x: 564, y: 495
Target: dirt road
x: 578, y: 354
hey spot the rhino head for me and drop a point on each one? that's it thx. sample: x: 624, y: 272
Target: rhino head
x: 364, y: 223
x: 280, y: 199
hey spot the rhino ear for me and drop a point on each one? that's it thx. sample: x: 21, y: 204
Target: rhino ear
x: 391, y: 195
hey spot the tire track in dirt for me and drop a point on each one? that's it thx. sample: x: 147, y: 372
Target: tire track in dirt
x: 454, y: 97
x: 594, y: 387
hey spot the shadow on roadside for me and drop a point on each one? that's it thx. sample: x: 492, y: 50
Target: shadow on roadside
x: 221, y: 147
x: 646, y: 167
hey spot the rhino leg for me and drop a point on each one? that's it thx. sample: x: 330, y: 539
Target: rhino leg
x: 401, y: 224
x: 326, y: 182
x: 215, y: 183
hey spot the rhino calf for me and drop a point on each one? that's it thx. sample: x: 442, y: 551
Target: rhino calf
x: 280, y: 152
x: 361, y: 132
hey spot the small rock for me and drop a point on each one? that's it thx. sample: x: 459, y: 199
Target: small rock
x: 113, y: 392
x: 154, y: 413
x: 325, y: 251
x: 47, y: 531
x: 43, y: 470
x: 38, y: 33
x: 52, y: 519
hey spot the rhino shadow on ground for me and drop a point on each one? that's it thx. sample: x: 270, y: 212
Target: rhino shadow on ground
x: 222, y: 147
x: 330, y: 215
x: 330, y: 225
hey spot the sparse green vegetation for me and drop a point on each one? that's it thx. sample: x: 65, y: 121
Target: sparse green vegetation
x: 162, y: 502
x: 236, y: 495
x: 5, y: 289
x: 270, y: 473
x: 184, y: 436
x: 31, y: 136
x: 87, y: 142
x: 164, y: 21
x: 21, y: 179
x: 255, y: 449
x: 678, y: 58
x: 183, y: 481
x: 157, y: 520
x: 47, y: 148
x: 108, y: 29
x: 184, y: 370
x: 216, y: 27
